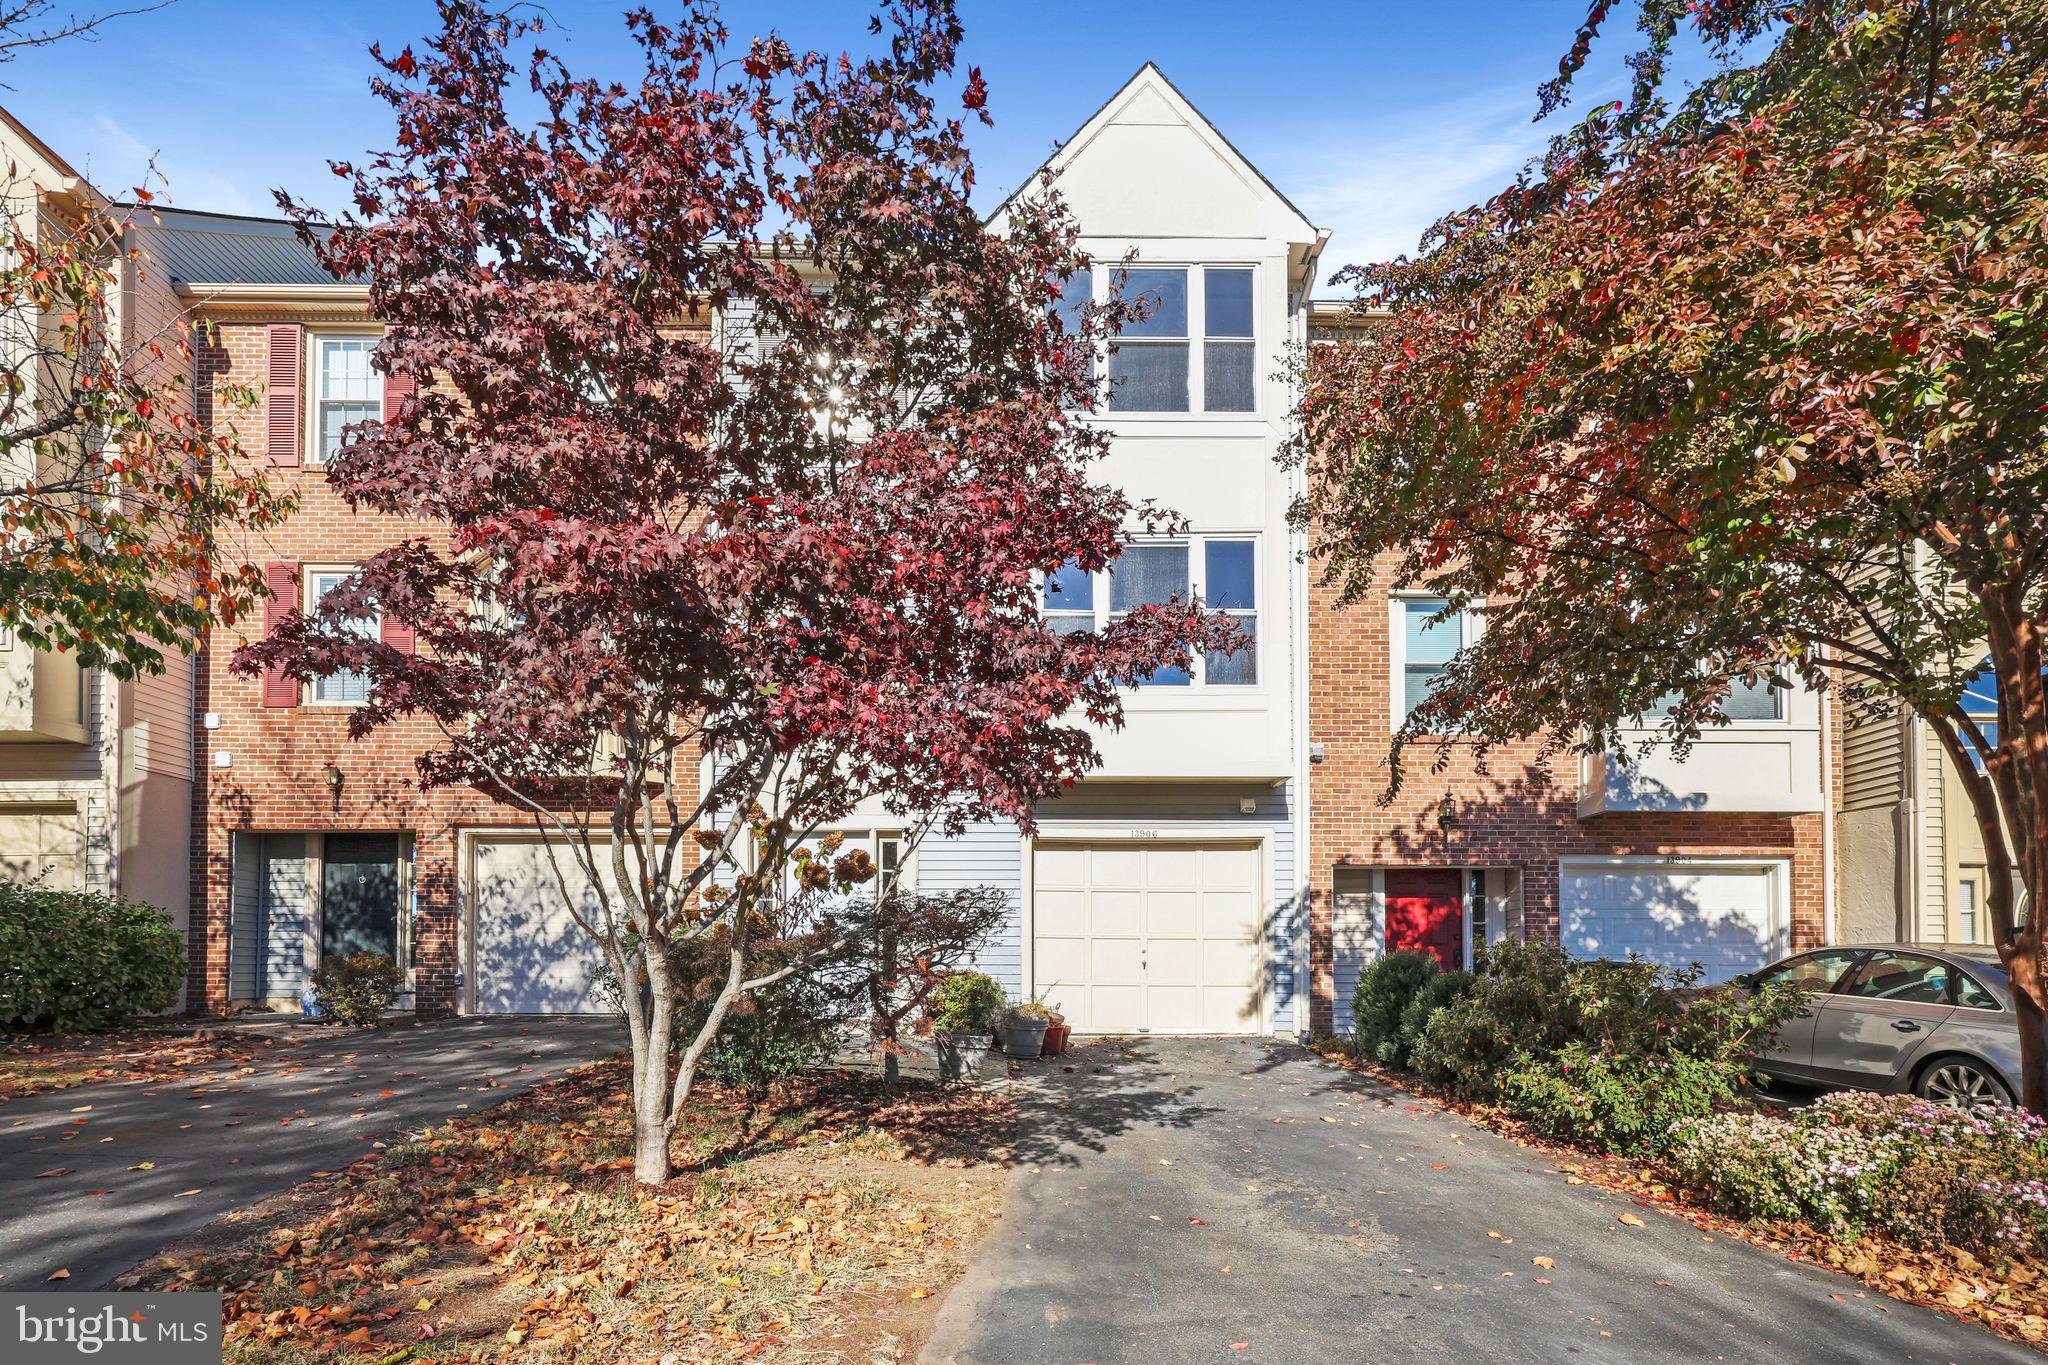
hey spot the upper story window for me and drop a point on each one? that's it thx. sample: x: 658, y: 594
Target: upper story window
x: 339, y: 689
x: 1220, y: 571
x: 1196, y: 350
x: 1746, y: 701
x: 1424, y: 647
x: 345, y: 389
x: 1980, y: 704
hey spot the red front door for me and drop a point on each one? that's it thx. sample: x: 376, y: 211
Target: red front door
x: 1426, y: 912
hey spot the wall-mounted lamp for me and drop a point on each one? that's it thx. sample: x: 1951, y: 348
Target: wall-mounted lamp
x: 332, y: 774
x: 1446, y: 814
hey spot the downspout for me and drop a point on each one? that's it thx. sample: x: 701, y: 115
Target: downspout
x: 1297, y: 546
x: 1830, y: 922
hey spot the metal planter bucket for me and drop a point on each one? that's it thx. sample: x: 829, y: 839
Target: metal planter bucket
x: 960, y: 1055
x: 1024, y: 1037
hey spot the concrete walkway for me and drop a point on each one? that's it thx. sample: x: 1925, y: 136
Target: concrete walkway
x: 1244, y: 1200
x: 222, y: 1138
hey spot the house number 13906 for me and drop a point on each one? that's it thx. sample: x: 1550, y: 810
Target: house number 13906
x: 1144, y: 834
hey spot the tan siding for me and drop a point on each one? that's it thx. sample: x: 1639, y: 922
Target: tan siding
x: 1933, y: 820
x: 162, y: 717
x: 1873, y: 756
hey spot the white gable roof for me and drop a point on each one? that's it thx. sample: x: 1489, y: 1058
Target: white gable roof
x: 1148, y: 164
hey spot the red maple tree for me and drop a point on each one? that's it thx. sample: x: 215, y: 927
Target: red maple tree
x: 702, y: 595
x: 1748, y: 386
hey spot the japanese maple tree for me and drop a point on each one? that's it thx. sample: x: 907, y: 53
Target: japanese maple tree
x: 688, y: 596
x: 1743, y: 385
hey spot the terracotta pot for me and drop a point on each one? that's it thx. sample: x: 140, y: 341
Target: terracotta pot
x: 1055, y: 1041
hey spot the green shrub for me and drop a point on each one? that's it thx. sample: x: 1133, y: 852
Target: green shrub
x: 1617, y: 1101
x: 82, y: 960
x: 769, y: 1035
x: 1385, y: 988
x: 1438, y: 992
x: 357, y: 990
x: 1611, y: 1055
x: 1921, y: 1173
x: 967, y: 1002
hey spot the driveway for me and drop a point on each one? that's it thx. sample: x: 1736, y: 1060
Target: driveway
x: 1244, y: 1200
x: 223, y: 1138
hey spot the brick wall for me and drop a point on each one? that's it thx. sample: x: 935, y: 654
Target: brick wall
x: 1517, y: 809
x: 276, y: 780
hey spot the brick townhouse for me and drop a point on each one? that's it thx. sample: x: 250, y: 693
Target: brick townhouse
x: 306, y: 843
x: 1724, y: 859
x: 1228, y: 868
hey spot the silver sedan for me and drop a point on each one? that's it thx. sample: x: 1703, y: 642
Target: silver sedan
x: 1933, y: 1019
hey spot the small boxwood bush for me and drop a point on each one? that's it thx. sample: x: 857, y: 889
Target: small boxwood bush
x: 83, y: 960
x: 357, y: 990
x: 1385, y: 989
x: 1438, y: 992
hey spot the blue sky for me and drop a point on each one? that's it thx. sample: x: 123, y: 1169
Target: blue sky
x: 1375, y: 116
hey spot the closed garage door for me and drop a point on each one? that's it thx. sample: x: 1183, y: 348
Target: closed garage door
x: 42, y: 844
x: 1149, y: 938
x: 528, y: 954
x: 1726, y: 917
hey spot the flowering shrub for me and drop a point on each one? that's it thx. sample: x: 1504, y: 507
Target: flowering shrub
x: 1617, y: 1101
x: 1923, y: 1173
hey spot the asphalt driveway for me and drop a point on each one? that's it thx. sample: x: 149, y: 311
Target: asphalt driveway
x: 1244, y: 1200
x: 95, y: 1179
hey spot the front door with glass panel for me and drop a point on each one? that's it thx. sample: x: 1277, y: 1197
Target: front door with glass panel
x: 359, y: 896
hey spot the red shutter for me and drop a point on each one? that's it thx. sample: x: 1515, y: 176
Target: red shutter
x: 397, y: 388
x: 282, y: 578
x: 281, y: 403
x: 396, y: 633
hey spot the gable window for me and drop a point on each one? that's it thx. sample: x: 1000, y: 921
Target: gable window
x: 1148, y: 361
x: 1195, y: 351
x: 1424, y: 647
x: 1228, y: 362
x: 339, y: 689
x: 345, y: 389
x: 1220, y: 571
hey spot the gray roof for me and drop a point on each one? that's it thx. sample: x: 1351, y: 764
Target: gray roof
x: 224, y: 248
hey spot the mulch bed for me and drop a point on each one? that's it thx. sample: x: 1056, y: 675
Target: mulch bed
x: 821, y: 1224
x: 2010, y: 1299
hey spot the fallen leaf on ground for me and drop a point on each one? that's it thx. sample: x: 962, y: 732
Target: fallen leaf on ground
x: 1630, y: 1219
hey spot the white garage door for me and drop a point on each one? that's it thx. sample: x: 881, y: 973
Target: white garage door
x: 1725, y: 917
x: 528, y: 954
x: 42, y: 844
x: 1149, y: 938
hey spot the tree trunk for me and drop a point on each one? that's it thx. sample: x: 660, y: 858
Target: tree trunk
x: 2023, y: 969
x: 653, y: 1050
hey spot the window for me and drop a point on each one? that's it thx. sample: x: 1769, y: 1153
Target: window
x: 1151, y: 575
x: 1966, y: 910
x: 1815, y: 972
x: 883, y: 847
x: 1228, y: 362
x: 339, y: 689
x: 1221, y: 571
x: 1148, y: 361
x: 1980, y: 704
x: 345, y: 389
x: 1746, y: 701
x: 1902, y: 979
x: 1973, y: 994
x: 1197, y: 349
x: 1424, y: 647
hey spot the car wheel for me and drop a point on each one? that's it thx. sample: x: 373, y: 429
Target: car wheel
x: 1961, y: 1083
